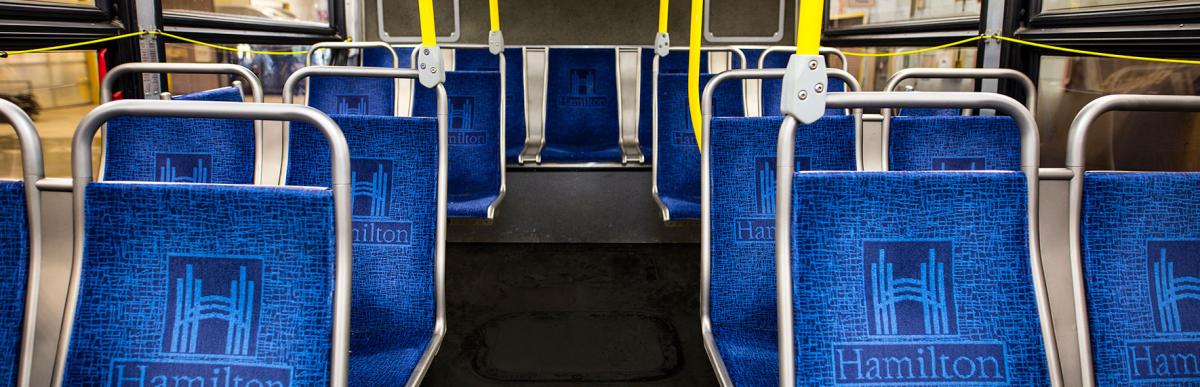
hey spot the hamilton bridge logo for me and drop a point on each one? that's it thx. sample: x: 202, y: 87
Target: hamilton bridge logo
x: 909, y: 288
x: 372, y: 191
x: 213, y: 305
x: 582, y: 91
x: 183, y: 168
x: 1175, y: 285
x: 959, y: 163
x: 352, y: 104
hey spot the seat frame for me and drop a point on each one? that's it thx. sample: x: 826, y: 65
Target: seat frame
x: 81, y: 171
x: 33, y: 170
x: 1076, y: 163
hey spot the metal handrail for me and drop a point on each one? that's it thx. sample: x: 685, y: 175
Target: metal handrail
x: 1030, y: 154
x: 762, y: 58
x: 81, y: 170
x: 33, y: 170
x: 1076, y: 163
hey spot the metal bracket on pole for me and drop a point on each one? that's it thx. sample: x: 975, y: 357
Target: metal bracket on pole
x: 429, y: 64
x: 804, y: 88
x: 662, y: 44
x: 496, y: 42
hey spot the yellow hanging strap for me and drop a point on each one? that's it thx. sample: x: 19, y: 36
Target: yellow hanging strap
x: 808, y: 27
x: 494, y: 12
x: 428, y: 28
x: 664, y: 8
x: 694, y: 70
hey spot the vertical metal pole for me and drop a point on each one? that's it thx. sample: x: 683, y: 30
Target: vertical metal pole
x: 147, y: 18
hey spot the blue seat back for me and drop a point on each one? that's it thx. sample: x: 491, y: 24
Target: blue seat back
x: 394, y: 167
x: 1141, y: 261
x: 378, y: 57
x: 582, y: 119
x: 954, y: 143
x: 198, y: 281
x: 170, y: 149
x: 678, y: 165
x: 772, y: 88
x: 675, y: 63
x: 474, y: 125
x: 914, y: 278
x: 742, y: 288
x: 352, y: 95
x: 14, y: 247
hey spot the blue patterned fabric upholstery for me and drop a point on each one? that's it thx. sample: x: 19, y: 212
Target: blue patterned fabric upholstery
x: 1141, y: 263
x: 353, y: 95
x: 14, y: 248
x: 772, y: 88
x: 742, y: 290
x: 378, y: 57
x: 954, y: 143
x: 914, y: 278
x: 193, y: 282
x: 678, y: 169
x: 582, y: 119
x: 394, y: 165
x: 170, y: 149
x: 474, y: 99
x: 675, y: 63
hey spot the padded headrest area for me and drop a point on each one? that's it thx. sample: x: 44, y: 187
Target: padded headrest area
x: 954, y: 143
x: 914, y: 278
x: 191, y: 150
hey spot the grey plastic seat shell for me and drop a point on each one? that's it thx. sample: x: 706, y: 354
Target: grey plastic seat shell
x: 439, y: 268
x: 81, y: 171
x: 1030, y: 157
x: 33, y: 170
x: 1076, y: 144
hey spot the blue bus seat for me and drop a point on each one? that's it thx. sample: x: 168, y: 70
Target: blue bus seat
x: 378, y: 57
x: 352, y: 95
x: 204, y: 281
x: 677, y: 169
x: 1141, y: 263
x: 394, y: 164
x: 475, y: 164
x: 675, y: 63
x: 954, y: 143
x: 772, y: 88
x: 582, y: 119
x: 742, y: 287
x: 914, y: 278
x: 192, y: 150
x: 14, y: 247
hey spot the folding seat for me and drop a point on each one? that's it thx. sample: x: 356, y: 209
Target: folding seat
x: 582, y: 122
x: 777, y: 58
x: 677, y: 174
x: 21, y: 247
x: 476, y: 91
x: 397, y: 167
x: 923, y: 140
x: 207, y: 284
x: 1135, y: 260
x: 738, y: 225
x: 355, y: 95
x: 170, y: 149
x: 913, y: 278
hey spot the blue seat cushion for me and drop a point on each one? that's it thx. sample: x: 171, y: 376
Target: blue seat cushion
x: 582, y: 119
x: 185, y: 281
x: 678, y: 168
x: 395, y: 172
x: 170, y: 149
x: 914, y: 278
x: 954, y: 143
x: 14, y: 248
x: 1141, y: 262
x: 475, y: 166
x: 742, y: 288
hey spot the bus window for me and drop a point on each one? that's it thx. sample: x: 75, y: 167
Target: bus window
x: 56, y: 89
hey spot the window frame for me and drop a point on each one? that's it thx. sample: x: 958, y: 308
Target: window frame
x: 1112, y: 14
x: 220, y: 28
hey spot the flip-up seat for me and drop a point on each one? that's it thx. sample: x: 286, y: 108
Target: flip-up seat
x: 913, y: 278
x: 742, y: 227
x: 169, y: 149
x: 212, y: 284
x: 953, y: 143
x: 20, y: 248
x: 395, y: 173
x: 582, y: 120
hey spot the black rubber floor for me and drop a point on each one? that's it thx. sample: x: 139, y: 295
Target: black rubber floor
x: 572, y: 314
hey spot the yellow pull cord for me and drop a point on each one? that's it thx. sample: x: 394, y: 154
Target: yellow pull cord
x: 494, y: 11
x: 664, y: 9
x: 809, y: 18
x: 694, y: 71
x: 428, y: 28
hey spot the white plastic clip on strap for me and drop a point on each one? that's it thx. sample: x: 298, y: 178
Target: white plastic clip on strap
x: 805, y: 85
